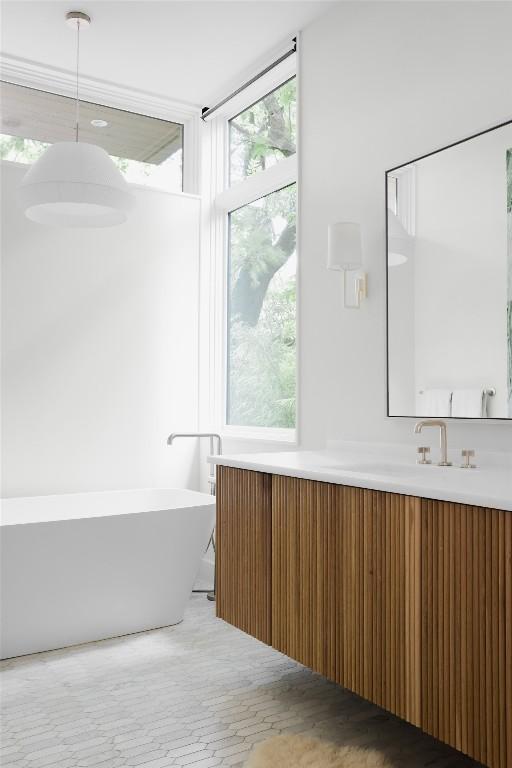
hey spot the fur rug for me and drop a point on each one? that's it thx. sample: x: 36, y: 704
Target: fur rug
x: 302, y: 752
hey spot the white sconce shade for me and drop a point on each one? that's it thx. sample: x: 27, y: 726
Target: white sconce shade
x: 345, y: 253
x: 344, y: 249
x: 399, y: 241
x: 74, y: 184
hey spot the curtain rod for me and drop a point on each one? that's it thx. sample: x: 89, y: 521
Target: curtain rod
x: 207, y: 111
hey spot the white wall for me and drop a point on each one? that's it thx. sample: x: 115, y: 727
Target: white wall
x: 99, y: 348
x: 381, y: 83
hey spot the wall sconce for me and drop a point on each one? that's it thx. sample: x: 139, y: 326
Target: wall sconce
x: 346, y: 254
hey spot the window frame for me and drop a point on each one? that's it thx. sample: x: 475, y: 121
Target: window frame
x: 224, y: 199
x: 42, y: 78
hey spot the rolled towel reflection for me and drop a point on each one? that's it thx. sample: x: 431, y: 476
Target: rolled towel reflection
x: 434, y: 402
x: 469, y: 403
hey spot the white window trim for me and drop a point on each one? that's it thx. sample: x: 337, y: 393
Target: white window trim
x: 263, y: 183
x: 219, y: 200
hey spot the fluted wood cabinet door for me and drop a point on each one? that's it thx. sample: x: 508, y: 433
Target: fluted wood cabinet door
x: 304, y: 582
x: 244, y: 550
x: 467, y: 629
x: 378, y: 607
x: 346, y: 587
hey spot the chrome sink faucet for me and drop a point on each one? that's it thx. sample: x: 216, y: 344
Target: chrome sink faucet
x: 442, y: 436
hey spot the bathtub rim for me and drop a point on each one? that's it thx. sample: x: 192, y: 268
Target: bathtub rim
x: 22, y: 510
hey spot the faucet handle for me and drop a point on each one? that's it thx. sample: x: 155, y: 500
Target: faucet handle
x: 423, y: 452
x: 467, y: 455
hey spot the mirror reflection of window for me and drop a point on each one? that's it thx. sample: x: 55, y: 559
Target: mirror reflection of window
x: 393, y: 194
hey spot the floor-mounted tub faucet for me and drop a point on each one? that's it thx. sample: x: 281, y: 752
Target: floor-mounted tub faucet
x: 442, y: 436
x: 214, y: 436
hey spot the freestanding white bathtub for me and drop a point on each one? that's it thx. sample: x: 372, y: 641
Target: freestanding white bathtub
x: 88, y: 566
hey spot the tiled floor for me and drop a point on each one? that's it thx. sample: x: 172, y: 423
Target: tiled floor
x: 200, y: 694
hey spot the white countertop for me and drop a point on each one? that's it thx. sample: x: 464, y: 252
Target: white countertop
x: 489, y: 485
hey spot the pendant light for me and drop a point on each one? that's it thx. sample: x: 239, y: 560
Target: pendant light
x: 75, y: 184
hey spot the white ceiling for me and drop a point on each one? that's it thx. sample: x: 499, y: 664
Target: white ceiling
x: 189, y: 50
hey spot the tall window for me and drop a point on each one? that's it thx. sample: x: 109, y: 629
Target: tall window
x: 261, y: 312
x: 261, y: 361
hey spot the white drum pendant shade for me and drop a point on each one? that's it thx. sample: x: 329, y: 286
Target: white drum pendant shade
x: 74, y: 184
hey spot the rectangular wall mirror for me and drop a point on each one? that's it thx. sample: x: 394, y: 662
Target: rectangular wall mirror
x: 449, y: 281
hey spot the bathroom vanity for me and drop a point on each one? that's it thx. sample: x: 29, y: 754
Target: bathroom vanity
x: 394, y: 581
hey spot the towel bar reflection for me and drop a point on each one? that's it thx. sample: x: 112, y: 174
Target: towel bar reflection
x: 490, y: 392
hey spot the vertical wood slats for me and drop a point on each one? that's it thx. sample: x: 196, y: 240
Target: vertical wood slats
x: 466, y: 599
x: 407, y: 602
x: 303, y: 573
x: 243, y: 550
x: 345, y: 588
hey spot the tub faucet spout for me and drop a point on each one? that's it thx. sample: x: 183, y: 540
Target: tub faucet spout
x: 212, y: 435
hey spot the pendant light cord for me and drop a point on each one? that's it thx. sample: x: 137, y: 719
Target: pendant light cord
x: 77, y: 114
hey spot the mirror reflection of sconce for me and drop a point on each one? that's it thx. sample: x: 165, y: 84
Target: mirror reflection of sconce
x: 399, y: 241
x: 345, y: 254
